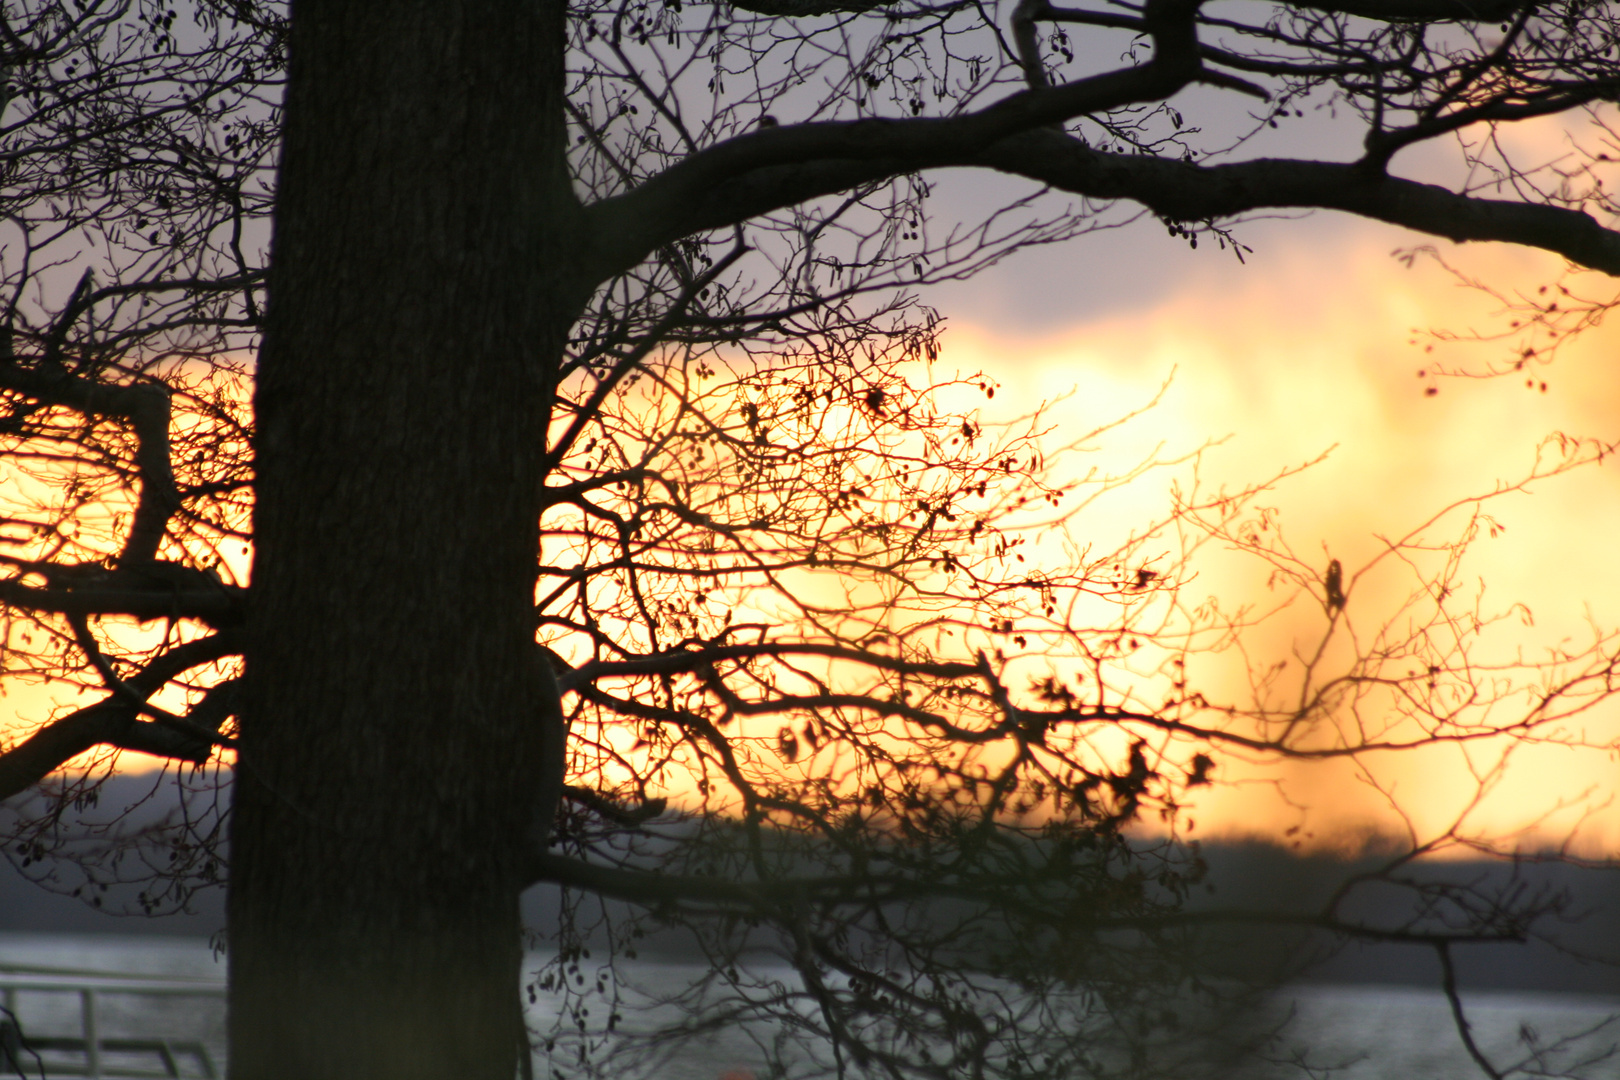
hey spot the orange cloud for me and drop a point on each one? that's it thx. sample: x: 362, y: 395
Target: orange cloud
x: 1317, y: 347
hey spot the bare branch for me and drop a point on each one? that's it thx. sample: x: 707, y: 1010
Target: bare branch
x: 146, y: 408
x: 155, y: 590
x: 1179, y: 191
x: 768, y: 169
x: 114, y: 720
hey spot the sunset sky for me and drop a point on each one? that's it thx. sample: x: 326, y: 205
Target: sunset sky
x: 1316, y: 344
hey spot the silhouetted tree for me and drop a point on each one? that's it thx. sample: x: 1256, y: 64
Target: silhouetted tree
x: 592, y: 327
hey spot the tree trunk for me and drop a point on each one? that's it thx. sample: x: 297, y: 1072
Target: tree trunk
x: 420, y: 295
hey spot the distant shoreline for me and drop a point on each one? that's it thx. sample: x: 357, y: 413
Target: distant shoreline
x: 1251, y: 876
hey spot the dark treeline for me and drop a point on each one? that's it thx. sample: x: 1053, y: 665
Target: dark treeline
x: 1574, y: 947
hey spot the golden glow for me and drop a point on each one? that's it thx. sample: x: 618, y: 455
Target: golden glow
x: 1318, y: 347
x: 80, y: 512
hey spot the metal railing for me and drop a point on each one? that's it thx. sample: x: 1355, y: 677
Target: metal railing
x: 92, y: 1053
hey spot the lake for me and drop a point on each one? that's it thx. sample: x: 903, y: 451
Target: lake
x: 1366, y: 1032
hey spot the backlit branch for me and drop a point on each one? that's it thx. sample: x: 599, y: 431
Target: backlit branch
x: 1179, y: 191
x: 115, y: 721
x: 155, y: 590
x: 755, y: 173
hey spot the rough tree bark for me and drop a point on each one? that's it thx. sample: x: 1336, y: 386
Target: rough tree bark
x: 419, y: 298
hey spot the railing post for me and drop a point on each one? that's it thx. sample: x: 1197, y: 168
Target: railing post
x: 87, y: 988
x: 92, y: 1039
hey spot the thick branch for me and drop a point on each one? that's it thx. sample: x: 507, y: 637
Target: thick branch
x: 630, y: 817
x: 146, y: 408
x: 775, y: 168
x: 1179, y: 191
x: 58, y: 742
x: 718, y: 186
x: 112, y: 721
x: 1026, y: 39
x: 156, y: 590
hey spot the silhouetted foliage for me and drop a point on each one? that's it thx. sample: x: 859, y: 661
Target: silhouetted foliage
x: 919, y: 700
